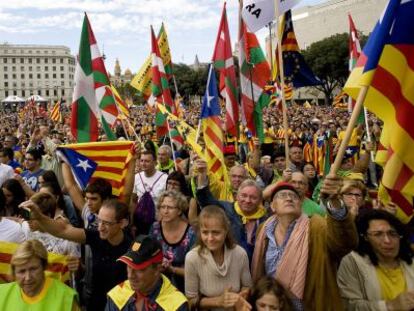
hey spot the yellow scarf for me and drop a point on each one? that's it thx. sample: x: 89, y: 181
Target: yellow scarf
x: 260, y: 212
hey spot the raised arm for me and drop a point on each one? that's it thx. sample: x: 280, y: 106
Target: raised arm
x: 57, y: 228
x: 73, y: 189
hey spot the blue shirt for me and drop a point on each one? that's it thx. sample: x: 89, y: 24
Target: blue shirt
x: 31, y: 178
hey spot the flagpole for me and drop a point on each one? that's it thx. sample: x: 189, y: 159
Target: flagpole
x: 282, y: 83
x: 171, y: 144
x: 344, y: 143
x: 271, y: 47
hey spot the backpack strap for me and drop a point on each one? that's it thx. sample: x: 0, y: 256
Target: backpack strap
x: 150, y: 189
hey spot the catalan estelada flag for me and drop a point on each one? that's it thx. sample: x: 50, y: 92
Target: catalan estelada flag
x: 386, y: 66
x: 57, y: 267
x: 55, y: 113
x: 108, y: 160
x: 212, y: 128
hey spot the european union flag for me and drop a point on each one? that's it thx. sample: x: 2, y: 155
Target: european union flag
x: 82, y: 167
x: 296, y: 70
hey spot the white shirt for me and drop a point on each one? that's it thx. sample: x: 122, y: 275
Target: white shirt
x: 11, y: 231
x: 155, y: 190
x: 6, y: 172
x: 51, y: 243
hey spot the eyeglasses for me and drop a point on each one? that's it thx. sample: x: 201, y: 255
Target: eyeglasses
x: 380, y: 235
x: 285, y: 195
x: 169, y: 208
x: 106, y: 223
x: 353, y: 194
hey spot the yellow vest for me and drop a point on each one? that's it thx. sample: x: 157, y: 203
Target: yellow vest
x: 169, y: 298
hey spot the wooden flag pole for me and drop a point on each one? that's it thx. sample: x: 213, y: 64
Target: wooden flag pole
x: 354, y: 117
x: 282, y: 83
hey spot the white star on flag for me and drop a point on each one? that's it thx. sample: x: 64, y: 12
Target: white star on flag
x: 348, y: 151
x: 83, y: 164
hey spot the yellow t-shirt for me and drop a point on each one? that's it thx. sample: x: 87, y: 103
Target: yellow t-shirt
x: 268, y: 136
x: 392, y: 282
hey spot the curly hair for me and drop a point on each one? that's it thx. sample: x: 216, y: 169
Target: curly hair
x: 364, y: 247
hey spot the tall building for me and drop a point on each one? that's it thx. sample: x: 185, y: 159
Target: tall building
x: 118, y: 78
x: 314, y: 23
x: 45, y: 70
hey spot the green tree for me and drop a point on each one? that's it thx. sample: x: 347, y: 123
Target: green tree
x: 328, y: 59
x: 189, y: 81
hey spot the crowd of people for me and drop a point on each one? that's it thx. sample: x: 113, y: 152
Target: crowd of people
x: 278, y: 234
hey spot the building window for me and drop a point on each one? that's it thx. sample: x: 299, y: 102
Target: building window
x: 23, y: 93
x: 46, y: 68
x: 14, y: 84
x: 37, y: 60
x: 6, y: 93
x: 22, y: 76
x: 63, y: 92
x: 5, y: 60
x: 6, y: 84
x: 31, y: 84
x: 30, y: 76
x: 30, y: 68
x: 61, y: 68
x: 5, y: 68
x: 21, y: 60
x: 6, y: 76
x: 15, y: 93
x: 46, y: 60
x: 21, y: 68
x: 62, y: 75
x: 54, y: 76
x: 55, y: 92
x: 37, y: 68
x: 46, y: 76
x: 62, y: 83
x: 54, y: 68
x: 14, y: 68
x: 38, y: 76
x: 61, y: 60
x: 13, y: 60
x: 14, y: 76
x: 47, y: 92
x: 30, y: 60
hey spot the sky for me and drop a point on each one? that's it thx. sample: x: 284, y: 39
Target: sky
x: 122, y: 27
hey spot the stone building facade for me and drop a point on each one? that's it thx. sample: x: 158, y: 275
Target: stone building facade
x: 45, y: 70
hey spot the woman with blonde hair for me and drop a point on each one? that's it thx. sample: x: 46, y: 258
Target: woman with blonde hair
x: 32, y: 290
x: 353, y: 193
x: 174, y: 233
x: 217, y: 273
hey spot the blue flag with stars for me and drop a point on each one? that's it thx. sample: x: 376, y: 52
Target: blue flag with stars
x: 210, y: 106
x: 296, y: 70
x: 82, y: 167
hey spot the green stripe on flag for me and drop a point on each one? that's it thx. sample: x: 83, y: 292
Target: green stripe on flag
x: 258, y: 115
x: 219, y: 64
x: 109, y: 134
x: 256, y: 55
x: 85, y: 60
x: 83, y: 121
x: 100, y: 77
x: 106, y: 101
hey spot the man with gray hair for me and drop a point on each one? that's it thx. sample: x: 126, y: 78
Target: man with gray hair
x: 246, y: 213
x: 165, y: 163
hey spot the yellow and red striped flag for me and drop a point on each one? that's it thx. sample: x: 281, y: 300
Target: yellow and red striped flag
x: 213, y: 129
x: 55, y: 113
x: 111, y: 159
x: 386, y: 68
x: 57, y: 266
x: 123, y: 108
